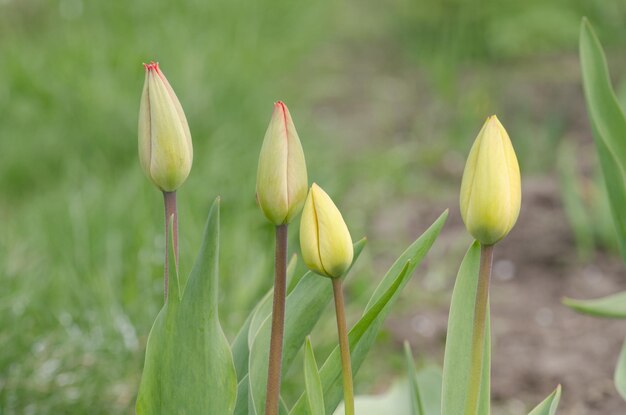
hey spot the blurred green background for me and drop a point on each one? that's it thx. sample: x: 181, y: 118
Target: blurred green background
x: 387, y: 98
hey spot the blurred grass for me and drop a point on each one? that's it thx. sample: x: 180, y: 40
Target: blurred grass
x: 387, y: 98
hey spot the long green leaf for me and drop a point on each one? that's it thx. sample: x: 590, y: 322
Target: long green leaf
x: 612, y: 306
x: 363, y: 334
x: 414, y: 390
x: 189, y: 367
x: 608, y: 124
x: 549, y: 405
x: 458, y: 351
x: 315, y: 395
x: 620, y: 372
x: 303, y: 308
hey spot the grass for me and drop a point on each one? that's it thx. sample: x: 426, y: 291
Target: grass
x: 386, y: 100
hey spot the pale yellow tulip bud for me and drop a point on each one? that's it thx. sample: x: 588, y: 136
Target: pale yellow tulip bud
x: 281, y: 181
x: 165, y: 150
x: 491, y: 188
x: 324, y: 237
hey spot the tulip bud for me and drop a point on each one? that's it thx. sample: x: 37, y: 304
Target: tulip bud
x: 165, y: 150
x: 324, y: 237
x: 491, y: 187
x: 281, y: 182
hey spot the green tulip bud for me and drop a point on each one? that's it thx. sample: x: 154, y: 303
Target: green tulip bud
x: 165, y: 150
x: 325, y: 241
x: 281, y: 183
x: 491, y: 187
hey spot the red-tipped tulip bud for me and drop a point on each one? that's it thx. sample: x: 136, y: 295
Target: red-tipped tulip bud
x: 165, y: 150
x: 281, y: 183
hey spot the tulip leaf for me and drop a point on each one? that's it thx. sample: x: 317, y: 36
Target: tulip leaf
x: 620, y: 372
x: 612, y: 306
x: 549, y: 405
x: 303, y: 308
x: 414, y: 390
x: 608, y: 125
x: 362, y: 336
x: 189, y: 367
x: 458, y: 351
x: 315, y: 395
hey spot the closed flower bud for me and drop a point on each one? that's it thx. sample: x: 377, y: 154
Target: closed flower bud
x: 165, y: 150
x: 491, y: 187
x: 281, y: 182
x: 324, y: 237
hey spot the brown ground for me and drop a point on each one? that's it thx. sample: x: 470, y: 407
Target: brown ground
x: 537, y: 342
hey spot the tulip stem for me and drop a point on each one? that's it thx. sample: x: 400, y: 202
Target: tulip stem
x: 278, y: 323
x: 171, y: 213
x: 480, y: 323
x: 344, y: 347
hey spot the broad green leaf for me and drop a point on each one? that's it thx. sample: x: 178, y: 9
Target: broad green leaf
x: 303, y: 308
x: 608, y: 124
x: 363, y: 334
x: 189, y: 367
x: 620, y: 372
x: 612, y: 306
x: 549, y: 405
x: 458, y: 351
x: 315, y: 395
x: 414, y: 390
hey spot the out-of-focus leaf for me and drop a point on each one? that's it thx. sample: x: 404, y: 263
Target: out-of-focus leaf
x: 429, y: 380
x: 363, y: 334
x: 549, y: 405
x: 620, y: 372
x: 396, y: 401
x: 458, y: 351
x: 189, y: 367
x: 608, y: 124
x: 612, y: 306
x: 303, y: 308
x: 414, y: 390
x: 573, y: 203
x: 314, y: 393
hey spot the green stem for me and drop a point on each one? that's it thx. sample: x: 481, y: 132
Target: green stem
x: 169, y: 199
x: 278, y: 323
x: 344, y: 346
x: 478, y: 338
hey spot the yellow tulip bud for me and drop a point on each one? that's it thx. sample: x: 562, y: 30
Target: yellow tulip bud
x: 281, y: 182
x: 325, y: 241
x: 165, y: 150
x: 491, y: 187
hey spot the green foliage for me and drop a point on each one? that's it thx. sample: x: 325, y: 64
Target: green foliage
x: 608, y: 123
x: 314, y: 393
x: 549, y: 405
x: 458, y: 354
x: 612, y: 306
x: 414, y: 391
x: 189, y: 366
x: 620, y: 372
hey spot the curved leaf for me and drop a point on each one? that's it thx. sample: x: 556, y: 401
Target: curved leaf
x: 608, y: 124
x: 189, y: 367
x: 612, y: 306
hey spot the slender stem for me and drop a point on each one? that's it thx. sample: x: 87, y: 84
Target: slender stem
x: 344, y: 346
x: 478, y: 338
x: 169, y: 199
x: 278, y: 323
